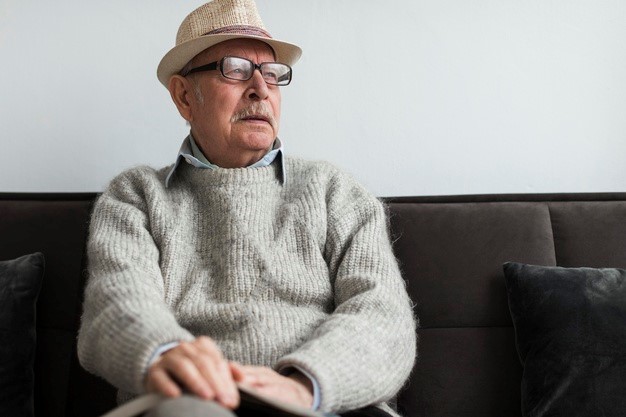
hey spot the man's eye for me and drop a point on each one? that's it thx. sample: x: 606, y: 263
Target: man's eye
x: 270, y: 75
x: 235, y: 72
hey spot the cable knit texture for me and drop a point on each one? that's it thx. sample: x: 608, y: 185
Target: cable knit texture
x: 278, y: 275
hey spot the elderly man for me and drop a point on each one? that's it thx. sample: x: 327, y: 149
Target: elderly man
x: 238, y: 264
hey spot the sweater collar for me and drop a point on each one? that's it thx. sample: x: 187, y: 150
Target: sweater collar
x: 193, y: 156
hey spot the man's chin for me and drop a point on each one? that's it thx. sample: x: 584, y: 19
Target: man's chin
x: 259, y: 141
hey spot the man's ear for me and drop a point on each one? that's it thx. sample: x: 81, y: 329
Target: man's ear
x: 181, y: 93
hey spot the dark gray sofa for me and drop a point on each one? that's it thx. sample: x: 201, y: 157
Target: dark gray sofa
x: 451, y: 251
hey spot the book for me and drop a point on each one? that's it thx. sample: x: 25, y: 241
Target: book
x: 252, y: 403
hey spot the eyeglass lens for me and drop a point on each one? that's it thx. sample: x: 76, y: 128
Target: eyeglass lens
x: 243, y: 69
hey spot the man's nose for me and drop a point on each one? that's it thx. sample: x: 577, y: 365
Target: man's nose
x: 258, y: 89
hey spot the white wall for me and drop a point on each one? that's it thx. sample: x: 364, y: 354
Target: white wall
x: 412, y: 97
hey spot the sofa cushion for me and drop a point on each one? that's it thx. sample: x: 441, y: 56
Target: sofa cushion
x: 20, y: 282
x: 570, y: 326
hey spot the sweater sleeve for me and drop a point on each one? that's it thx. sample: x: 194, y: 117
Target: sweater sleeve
x: 364, y: 352
x: 125, y: 317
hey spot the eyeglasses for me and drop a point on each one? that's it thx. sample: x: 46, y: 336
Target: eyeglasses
x: 241, y: 69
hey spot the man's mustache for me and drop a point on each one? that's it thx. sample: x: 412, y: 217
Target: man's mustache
x: 256, y: 109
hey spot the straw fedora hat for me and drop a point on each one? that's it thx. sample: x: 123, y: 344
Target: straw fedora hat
x: 215, y: 22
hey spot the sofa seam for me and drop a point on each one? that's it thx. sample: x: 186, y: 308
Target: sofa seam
x: 550, y: 218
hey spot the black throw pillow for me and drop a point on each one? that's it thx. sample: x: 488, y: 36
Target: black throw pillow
x: 570, y: 328
x: 20, y: 281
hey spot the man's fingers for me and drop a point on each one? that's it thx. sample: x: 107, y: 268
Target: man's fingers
x: 258, y: 375
x: 159, y: 381
x: 236, y: 371
x: 212, y: 369
x: 197, y: 367
x: 217, y: 374
x: 228, y: 394
x: 215, y: 369
x: 184, y: 371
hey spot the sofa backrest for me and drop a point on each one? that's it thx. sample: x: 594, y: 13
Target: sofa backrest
x: 56, y: 225
x: 450, y: 249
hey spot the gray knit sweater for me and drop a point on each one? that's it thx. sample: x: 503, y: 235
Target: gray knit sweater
x: 300, y: 274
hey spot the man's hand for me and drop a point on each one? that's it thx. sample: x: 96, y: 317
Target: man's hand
x: 197, y: 367
x: 294, y: 388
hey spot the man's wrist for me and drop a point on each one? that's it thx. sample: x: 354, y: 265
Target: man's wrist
x: 306, y: 384
x: 312, y: 383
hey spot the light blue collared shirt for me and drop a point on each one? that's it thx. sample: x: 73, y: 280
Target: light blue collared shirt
x: 190, y: 152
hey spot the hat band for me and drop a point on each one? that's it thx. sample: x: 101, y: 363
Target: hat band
x: 240, y: 30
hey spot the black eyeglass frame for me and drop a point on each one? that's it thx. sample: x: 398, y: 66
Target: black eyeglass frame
x: 212, y: 66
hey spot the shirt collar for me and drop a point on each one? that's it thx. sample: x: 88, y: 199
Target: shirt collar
x: 190, y: 152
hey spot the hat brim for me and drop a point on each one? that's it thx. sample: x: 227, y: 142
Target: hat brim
x: 180, y: 55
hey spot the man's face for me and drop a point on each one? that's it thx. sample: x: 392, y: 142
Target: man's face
x: 233, y: 122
